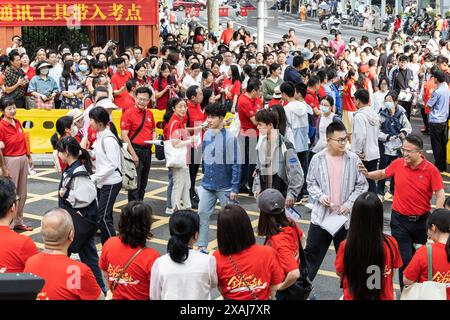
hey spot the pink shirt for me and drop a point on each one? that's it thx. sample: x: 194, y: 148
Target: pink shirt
x: 335, y: 167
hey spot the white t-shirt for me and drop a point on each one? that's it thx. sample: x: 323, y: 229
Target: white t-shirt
x: 191, y: 280
x: 189, y: 81
x: 378, y: 100
x: 324, y: 123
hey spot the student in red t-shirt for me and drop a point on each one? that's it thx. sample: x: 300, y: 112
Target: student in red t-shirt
x: 438, y: 226
x: 311, y: 97
x: 281, y: 233
x: 348, y: 101
x: 15, y: 248
x: 164, y: 86
x: 15, y: 159
x: 367, y: 247
x: 118, y: 82
x: 117, y: 251
x: 231, y: 88
x: 246, y: 270
x: 65, y: 279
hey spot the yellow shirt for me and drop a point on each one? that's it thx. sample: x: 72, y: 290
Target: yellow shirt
x: 439, y: 24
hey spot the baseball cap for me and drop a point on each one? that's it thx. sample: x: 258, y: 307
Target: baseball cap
x: 84, y: 47
x: 270, y: 201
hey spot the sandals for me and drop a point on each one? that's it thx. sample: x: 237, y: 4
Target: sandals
x: 23, y: 228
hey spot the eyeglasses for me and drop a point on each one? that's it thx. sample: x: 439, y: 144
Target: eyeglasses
x: 341, y: 141
x: 142, y: 99
x: 406, y: 151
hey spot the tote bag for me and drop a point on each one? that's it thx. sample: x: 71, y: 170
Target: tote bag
x: 175, y: 157
x: 428, y: 290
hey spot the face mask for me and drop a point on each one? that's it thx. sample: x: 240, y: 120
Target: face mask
x: 253, y: 66
x: 83, y: 68
x: 324, y: 109
x: 74, y: 131
x: 428, y: 64
x: 84, y: 53
x: 389, y: 105
x: 44, y: 71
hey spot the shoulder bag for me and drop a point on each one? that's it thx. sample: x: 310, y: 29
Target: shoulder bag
x: 428, y: 290
x: 302, y: 287
x: 140, y: 127
x: 175, y: 157
x: 243, y: 279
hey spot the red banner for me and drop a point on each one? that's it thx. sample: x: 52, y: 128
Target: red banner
x: 78, y: 13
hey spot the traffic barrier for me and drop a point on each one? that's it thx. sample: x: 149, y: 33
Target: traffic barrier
x: 223, y: 11
x: 41, y: 125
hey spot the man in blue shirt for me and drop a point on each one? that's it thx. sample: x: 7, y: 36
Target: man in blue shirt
x: 438, y: 118
x: 222, y: 171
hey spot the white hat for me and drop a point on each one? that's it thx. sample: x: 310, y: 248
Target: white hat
x: 106, y: 103
x: 76, y: 114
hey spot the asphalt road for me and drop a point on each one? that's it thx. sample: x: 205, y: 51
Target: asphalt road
x: 310, y: 29
x: 42, y: 196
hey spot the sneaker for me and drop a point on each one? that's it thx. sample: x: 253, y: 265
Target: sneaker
x: 203, y: 250
x: 194, y: 202
x: 169, y: 211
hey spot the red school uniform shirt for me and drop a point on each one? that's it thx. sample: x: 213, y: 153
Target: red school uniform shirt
x: 392, y: 261
x: 58, y: 271
x: 117, y: 82
x: 196, y: 115
x: 259, y: 267
x: 234, y: 88
x: 286, y: 246
x: 131, y: 121
x: 161, y: 103
x: 135, y: 282
x: 175, y: 128
x: 15, y: 250
x: 417, y: 269
x: 247, y: 109
x: 13, y: 138
x: 347, y: 96
x: 313, y: 101
x: 30, y: 74
x: 421, y: 182
x: 128, y: 102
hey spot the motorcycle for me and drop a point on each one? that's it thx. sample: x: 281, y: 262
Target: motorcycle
x: 346, y: 19
x: 358, y: 19
x: 387, y: 23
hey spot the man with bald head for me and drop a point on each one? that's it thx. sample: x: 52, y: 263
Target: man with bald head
x: 65, y: 279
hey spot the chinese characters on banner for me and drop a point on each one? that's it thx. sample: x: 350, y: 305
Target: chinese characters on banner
x: 78, y: 12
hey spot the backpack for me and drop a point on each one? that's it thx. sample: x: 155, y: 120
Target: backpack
x: 164, y: 31
x: 127, y: 169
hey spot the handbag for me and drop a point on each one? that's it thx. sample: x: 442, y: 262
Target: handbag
x: 159, y: 149
x: 302, y: 287
x: 243, y: 279
x: 175, y: 157
x: 427, y: 290
x: 235, y: 127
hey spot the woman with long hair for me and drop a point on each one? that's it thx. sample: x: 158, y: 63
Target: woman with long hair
x: 71, y: 87
x: 135, y: 225
x: 183, y: 273
x: 164, y: 87
x: 367, y: 248
x: 77, y: 194
x: 64, y: 128
x: 246, y: 270
x: 438, y: 229
x: 231, y: 88
x: 107, y: 176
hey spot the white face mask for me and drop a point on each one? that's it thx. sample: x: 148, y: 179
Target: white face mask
x: 74, y: 130
x: 84, y: 53
x: 44, y: 71
x: 389, y: 105
x: 324, y: 109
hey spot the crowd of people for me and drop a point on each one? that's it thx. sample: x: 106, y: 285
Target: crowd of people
x: 323, y: 125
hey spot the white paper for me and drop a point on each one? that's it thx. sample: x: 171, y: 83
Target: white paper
x: 157, y: 142
x: 332, y: 222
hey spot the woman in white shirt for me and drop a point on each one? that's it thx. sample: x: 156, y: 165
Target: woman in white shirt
x: 378, y: 97
x: 107, y: 176
x: 183, y: 273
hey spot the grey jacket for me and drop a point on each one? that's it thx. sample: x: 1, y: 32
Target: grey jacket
x: 353, y: 184
x: 366, y: 126
x: 287, y: 172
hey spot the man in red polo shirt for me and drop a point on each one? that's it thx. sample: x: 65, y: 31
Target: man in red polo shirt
x: 15, y: 248
x: 118, y: 82
x: 416, y: 179
x: 196, y: 117
x: 65, y: 279
x: 311, y: 97
x: 129, y: 99
x: 227, y: 34
x: 137, y: 126
x: 248, y: 104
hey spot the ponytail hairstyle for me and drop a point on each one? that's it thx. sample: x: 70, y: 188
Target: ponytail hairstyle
x: 183, y: 226
x: 62, y: 124
x: 100, y: 115
x: 440, y: 218
x: 73, y: 148
x: 169, y: 110
x: 350, y: 74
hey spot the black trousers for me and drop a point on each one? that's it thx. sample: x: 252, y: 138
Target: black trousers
x: 425, y: 120
x: 303, y: 158
x: 317, y: 244
x: 88, y: 255
x: 249, y: 165
x: 106, y: 197
x: 439, y: 137
x: 194, y: 166
x: 371, y: 166
x: 143, y: 169
x: 407, y: 106
x: 385, y: 160
x: 407, y: 232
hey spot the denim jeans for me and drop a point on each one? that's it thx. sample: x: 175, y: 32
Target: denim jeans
x: 169, y: 189
x: 208, y: 199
